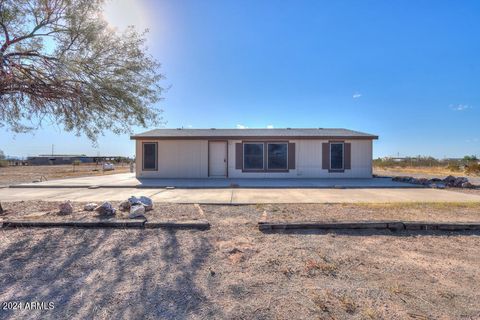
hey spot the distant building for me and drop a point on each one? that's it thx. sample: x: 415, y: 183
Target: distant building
x: 16, y: 162
x: 400, y: 159
x: 451, y: 159
x: 58, y: 159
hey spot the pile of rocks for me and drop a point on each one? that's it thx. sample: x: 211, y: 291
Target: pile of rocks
x: 106, y: 209
x: 450, y: 181
x: 135, y: 206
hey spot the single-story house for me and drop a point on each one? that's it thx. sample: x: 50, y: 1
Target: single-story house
x: 254, y: 153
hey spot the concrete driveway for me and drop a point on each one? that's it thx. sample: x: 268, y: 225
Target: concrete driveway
x: 240, y: 196
x: 128, y: 180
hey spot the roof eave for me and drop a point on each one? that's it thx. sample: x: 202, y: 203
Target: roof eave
x: 140, y: 137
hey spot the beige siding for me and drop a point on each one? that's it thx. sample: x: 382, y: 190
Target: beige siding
x: 309, y: 162
x: 177, y: 159
x: 189, y: 159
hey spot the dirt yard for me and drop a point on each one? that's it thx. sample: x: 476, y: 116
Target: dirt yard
x: 442, y: 171
x: 423, y: 172
x: 437, y: 212
x: 48, y: 210
x: 21, y: 174
x: 235, y: 271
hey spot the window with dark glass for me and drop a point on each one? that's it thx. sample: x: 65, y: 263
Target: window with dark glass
x: 149, y: 156
x: 277, y: 156
x: 253, y: 156
x: 336, y: 156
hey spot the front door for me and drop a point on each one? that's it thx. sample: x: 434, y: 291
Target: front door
x: 217, y: 159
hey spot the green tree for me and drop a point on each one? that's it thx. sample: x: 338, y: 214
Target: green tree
x: 60, y: 62
x: 470, y: 158
x: 2, y: 155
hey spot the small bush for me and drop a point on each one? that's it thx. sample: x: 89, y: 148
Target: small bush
x: 3, y: 163
x: 472, y: 169
x: 328, y: 269
x: 348, y: 303
x: 454, y: 167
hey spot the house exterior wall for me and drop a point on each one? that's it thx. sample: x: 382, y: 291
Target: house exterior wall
x: 176, y: 159
x: 308, y: 155
x: 189, y: 159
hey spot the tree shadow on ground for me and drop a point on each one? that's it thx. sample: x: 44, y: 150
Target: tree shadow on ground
x: 105, y: 273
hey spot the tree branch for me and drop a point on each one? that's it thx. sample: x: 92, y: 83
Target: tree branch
x: 29, y: 54
x: 5, y: 31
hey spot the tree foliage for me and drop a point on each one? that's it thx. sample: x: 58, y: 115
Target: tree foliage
x: 62, y: 63
x: 470, y: 158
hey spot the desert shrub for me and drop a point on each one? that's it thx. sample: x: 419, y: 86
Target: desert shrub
x: 407, y: 162
x: 470, y: 158
x: 454, y: 167
x: 472, y: 169
x: 3, y: 163
x: 75, y: 163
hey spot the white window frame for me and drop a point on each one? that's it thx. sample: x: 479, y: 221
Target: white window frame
x: 282, y: 169
x: 263, y: 156
x: 156, y: 156
x: 343, y: 155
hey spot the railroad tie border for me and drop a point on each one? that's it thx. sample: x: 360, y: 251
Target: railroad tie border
x: 369, y: 225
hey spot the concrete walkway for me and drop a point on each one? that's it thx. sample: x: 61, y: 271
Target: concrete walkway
x: 128, y: 180
x: 240, y: 196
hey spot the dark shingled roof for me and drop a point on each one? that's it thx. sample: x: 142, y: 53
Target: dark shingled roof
x: 297, y: 133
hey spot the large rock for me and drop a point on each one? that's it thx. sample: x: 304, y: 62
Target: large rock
x: 437, y: 185
x: 105, y: 209
x: 65, y: 208
x: 125, y: 205
x: 145, y: 201
x: 137, y: 211
x: 90, y: 206
x: 459, y: 182
x: 423, y: 181
x: 468, y: 185
x: 404, y: 179
x: 449, y: 181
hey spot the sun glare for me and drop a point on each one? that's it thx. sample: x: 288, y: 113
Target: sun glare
x: 123, y: 13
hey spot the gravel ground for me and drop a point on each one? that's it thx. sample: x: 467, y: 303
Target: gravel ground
x: 48, y: 210
x: 436, y: 212
x: 235, y: 271
x: 468, y: 191
x: 22, y: 174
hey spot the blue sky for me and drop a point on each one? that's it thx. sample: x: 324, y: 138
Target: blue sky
x: 408, y: 71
